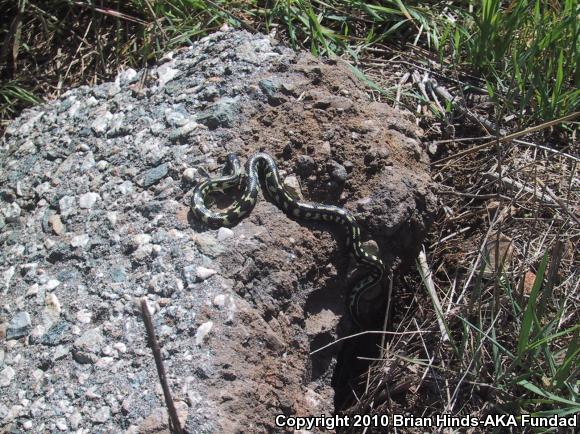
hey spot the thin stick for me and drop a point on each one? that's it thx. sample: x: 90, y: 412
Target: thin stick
x: 428, y: 280
x: 368, y: 332
x: 509, y: 137
x: 173, y: 419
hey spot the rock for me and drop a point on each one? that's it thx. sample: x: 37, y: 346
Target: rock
x: 57, y: 334
x: 6, y: 376
x: 203, y: 273
x: 84, y: 316
x: 102, y: 415
x: 292, y: 185
x: 338, y: 172
x: 202, y: 332
x: 75, y: 419
x: 19, y: 326
x: 221, y: 114
x: 88, y: 200
x: 87, y: 346
x: 116, y: 164
x: 153, y: 176
x: 56, y: 224
x: 158, y: 421
x: 224, y: 234
x: 305, y: 165
x: 52, y: 308
x: 189, y: 174
x: 79, y: 240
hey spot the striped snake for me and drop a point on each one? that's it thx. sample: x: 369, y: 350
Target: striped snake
x: 262, y: 164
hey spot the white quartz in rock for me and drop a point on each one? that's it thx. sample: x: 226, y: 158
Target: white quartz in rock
x: 204, y: 273
x: 202, y: 332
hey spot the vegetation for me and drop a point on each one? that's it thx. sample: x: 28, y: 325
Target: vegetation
x: 505, y: 342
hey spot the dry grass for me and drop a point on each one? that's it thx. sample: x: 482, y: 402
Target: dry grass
x: 498, y: 331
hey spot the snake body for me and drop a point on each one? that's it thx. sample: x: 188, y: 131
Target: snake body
x: 263, y: 166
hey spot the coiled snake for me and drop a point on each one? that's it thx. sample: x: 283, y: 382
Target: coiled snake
x: 263, y: 165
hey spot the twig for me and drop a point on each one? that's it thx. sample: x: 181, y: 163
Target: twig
x: 460, y: 106
x: 367, y: 332
x: 173, y: 419
x: 428, y: 280
x: 509, y: 137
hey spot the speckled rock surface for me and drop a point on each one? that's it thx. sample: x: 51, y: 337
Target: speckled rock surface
x: 94, y: 214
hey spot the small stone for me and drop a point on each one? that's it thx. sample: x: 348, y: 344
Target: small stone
x: 6, y: 376
x: 221, y: 114
x: 102, y: 415
x: 51, y: 284
x: 292, y: 185
x: 224, y: 234
x: 325, y: 149
x: 56, y: 224
x: 60, y: 352
x: 338, y: 172
x: 120, y: 347
x: 56, y: 334
x: 52, y: 307
x: 61, y: 424
x: 189, y: 174
x: 305, y: 165
x: 184, y: 131
x: 79, y: 240
x: 19, y: 326
x: 27, y: 424
x: 140, y: 240
x: 202, y: 332
x: 219, y: 300
x: 91, y: 340
x: 112, y: 217
x: 203, y: 273
x: 87, y: 200
x: 153, y: 176
x: 75, y: 419
x: 84, y: 316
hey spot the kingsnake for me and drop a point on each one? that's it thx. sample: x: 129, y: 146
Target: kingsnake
x: 262, y: 164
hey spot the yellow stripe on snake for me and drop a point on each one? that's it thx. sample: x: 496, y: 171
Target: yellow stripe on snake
x: 263, y: 165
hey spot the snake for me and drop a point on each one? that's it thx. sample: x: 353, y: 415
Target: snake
x: 262, y: 167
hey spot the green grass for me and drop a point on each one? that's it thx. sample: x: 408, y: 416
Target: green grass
x: 527, y: 51
x: 518, y: 348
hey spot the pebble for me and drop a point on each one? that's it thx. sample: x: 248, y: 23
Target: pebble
x: 153, y: 176
x: 52, y: 309
x: 292, y: 184
x: 51, y: 284
x: 189, y: 174
x: 202, y: 332
x: 19, y: 326
x: 79, y: 240
x: 6, y: 376
x: 221, y: 114
x: 56, y: 224
x: 75, y: 419
x: 305, y: 165
x: 102, y: 415
x: 84, y: 316
x: 87, y: 346
x: 203, y: 273
x: 61, y: 424
x: 224, y: 234
x: 88, y: 200
x: 219, y: 300
x: 338, y: 172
